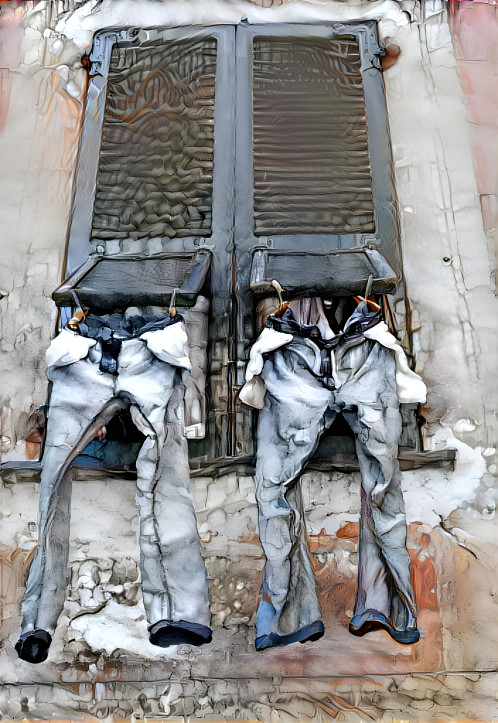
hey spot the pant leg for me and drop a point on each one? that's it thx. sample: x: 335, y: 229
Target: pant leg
x: 79, y: 392
x: 174, y: 579
x: 288, y: 432
x: 371, y: 406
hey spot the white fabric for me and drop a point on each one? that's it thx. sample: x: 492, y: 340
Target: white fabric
x: 335, y: 375
x: 409, y: 385
x: 267, y: 341
x: 169, y: 345
x: 67, y: 348
x: 253, y: 393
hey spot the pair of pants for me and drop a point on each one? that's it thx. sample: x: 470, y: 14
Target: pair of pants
x: 174, y: 580
x: 298, y: 407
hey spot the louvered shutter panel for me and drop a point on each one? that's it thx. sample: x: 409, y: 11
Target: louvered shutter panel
x: 155, y: 174
x: 313, y: 162
x: 310, y: 143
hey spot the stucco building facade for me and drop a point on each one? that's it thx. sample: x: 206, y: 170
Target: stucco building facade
x: 437, y: 79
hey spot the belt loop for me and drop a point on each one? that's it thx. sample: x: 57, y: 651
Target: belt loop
x: 333, y: 365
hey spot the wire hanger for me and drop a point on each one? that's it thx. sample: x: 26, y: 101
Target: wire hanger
x: 283, y: 305
x: 369, y: 299
x: 172, y: 304
x: 79, y: 315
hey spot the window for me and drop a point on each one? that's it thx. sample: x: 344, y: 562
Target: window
x: 227, y: 157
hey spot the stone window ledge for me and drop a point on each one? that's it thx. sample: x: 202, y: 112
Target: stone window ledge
x: 29, y: 471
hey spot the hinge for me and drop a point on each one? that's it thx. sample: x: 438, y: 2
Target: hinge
x: 100, y: 56
x: 372, y: 50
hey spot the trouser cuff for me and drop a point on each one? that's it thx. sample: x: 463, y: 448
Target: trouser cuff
x: 308, y: 633
x: 374, y: 620
x: 178, y: 632
x: 33, y: 645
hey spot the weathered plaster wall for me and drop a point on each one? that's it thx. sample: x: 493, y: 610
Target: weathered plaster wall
x: 41, y: 109
x: 474, y: 33
x: 101, y: 662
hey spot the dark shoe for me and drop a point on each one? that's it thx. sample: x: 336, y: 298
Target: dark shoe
x: 310, y: 632
x: 373, y: 620
x: 178, y: 632
x: 33, y: 646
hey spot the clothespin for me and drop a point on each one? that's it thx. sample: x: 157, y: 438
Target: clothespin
x: 172, y: 304
x: 283, y: 305
x: 78, y: 316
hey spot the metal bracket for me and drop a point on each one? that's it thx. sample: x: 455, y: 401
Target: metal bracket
x: 100, y: 56
x: 372, y: 49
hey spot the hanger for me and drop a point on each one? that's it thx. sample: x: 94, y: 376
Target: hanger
x: 283, y: 305
x: 172, y: 304
x: 79, y: 316
x: 369, y: 299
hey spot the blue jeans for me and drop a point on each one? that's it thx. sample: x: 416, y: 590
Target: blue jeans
x: 174, y: 579
x: 300, y: 404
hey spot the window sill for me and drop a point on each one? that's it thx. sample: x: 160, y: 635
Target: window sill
x: 24, y: 471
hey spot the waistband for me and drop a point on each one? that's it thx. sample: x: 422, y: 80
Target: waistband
x: 355, y: 326
x: 113, y: 329
x: 120, y: 327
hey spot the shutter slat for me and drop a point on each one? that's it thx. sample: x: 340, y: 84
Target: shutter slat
x: 311, y: 164
x: 156, y: 160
